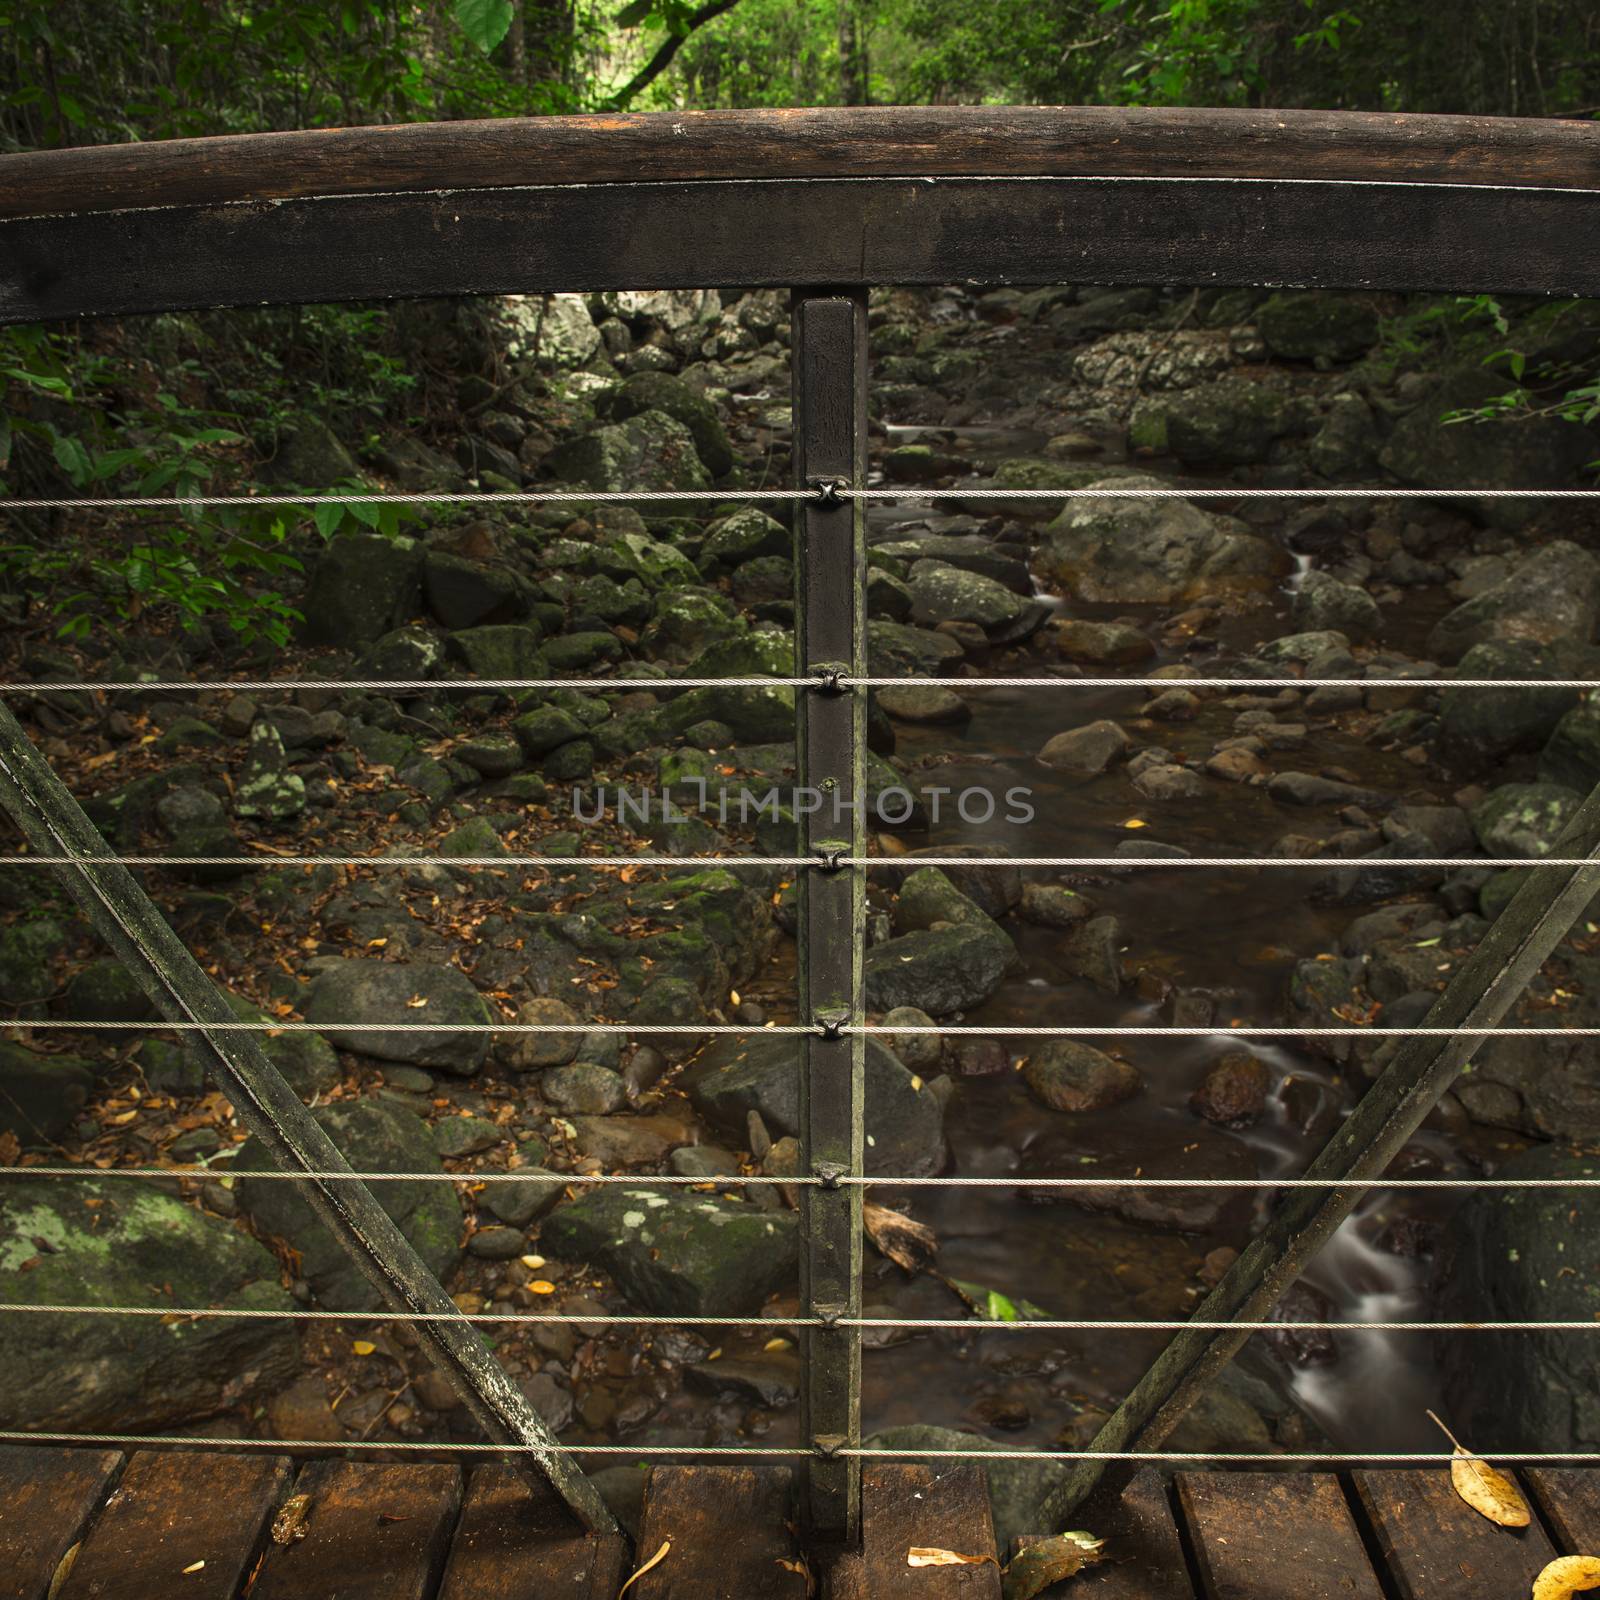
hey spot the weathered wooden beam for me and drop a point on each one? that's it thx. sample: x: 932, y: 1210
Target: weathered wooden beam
x: 807, y: 142
x: 1395, y: 235
x: 830, y: 444
x: 133, y: 928
x: 1481, y: 991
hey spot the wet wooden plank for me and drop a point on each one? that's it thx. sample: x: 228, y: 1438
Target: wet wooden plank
x: 375, y: 1530
x: 46, y: 1499
x: 846, y: 231
x: 1275, y: 1536
x: 511, y: 1543
x: 942, y: 1504
x: 730, y: 1532
x: 818, y: 142
x: 172, y: 1509
x: 1436, y: 1545
x: 1143, y: 1556
x: 1569, y: 1500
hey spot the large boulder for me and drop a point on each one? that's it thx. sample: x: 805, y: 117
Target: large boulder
x: 937, y: 970
x: 362, y: 586
x: 1552, y: 597
x: 1525, y: 1255
x: 373, y: 1136
x: 1572, y: 756
x: 1546, y: 1088
x: 1155, y: 552
x: 103, y: 1242
x: 1523, y: 819
x: 735, y: 1076
x: 28, y: 952
x: 555, y: 329
x: 678, y: 1254
x: 1479, y: 727
x: 651, y: 451
x: 1312, y: 324
x: 1509, y: 453
x: 351, y: 1002
x: 1229, y: 423
x: 941, y: 593
x: 659, y: 391
x: 40, y: 1095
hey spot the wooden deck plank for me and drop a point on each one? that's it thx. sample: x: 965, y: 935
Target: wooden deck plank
x: 1435, y: 1545
x: 375, y: 1530
x: 1569, y: 1500
x: 171, y: 1510
x: 730, y: 1530
x: 943, y: 1504
x: 1275, y: 1536
x: 1143, y: 1557
x: 511, y: 1544
x: 46, y: 1499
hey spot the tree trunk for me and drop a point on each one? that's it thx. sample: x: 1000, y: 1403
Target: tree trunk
x: 850, y: 85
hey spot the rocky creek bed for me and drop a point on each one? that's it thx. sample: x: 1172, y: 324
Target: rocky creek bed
x: 1058, y: 388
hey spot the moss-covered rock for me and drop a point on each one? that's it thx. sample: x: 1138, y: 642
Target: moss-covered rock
x: 103, y: 1243
x: 660, y: 392
x: 649, y: 452
x: 677, y: 1254
x: 362, y: 587
x: 373, y: 1137
x: 350, y: 1004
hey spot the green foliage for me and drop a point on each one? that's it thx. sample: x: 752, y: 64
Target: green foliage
x: 485, y: 22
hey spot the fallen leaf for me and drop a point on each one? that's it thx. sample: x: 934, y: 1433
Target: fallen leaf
x: 920, y: 1555
x: 1564, y: 1576
x: 654, y: 1561
x: 1035, y: 1567
x: 63, y: 1570
x: 363, y: 1347
x: 1135, y: 822
x: 1486, y: 1489
x: 910, y: 1244
x: 417, y: 1002
x: 532, y: 1263
x: 803, y: 1570
x: 541, y: 1286
x: 290, y: 1523
x: 194, y: 1566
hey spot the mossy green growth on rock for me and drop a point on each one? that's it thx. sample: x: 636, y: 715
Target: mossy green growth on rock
x: 108, y: 1243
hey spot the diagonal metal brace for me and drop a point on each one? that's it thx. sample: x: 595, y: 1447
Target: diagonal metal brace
x: 1482, y: 990
x: 133, y: 927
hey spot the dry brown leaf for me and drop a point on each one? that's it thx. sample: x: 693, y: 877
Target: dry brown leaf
x: 921, y: 1555
x: 1564, y: 1576
x: 1486, y: 1489
x: 654, y: 1561
x: 63, y: 1570
x: 803, y: 1570
x: 290, y: 1523
x: 911, y: 1245
x: 1045, y: 1562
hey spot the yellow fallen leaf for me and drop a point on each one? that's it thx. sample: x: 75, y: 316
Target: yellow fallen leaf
x: 776, y: 1344
x: 733, y: 996
x: 1135, y: 822
x: 542, y: 1286
x: 532, y: 1263
x: 802, y: 1570
x: 417, y: 1002
x: 1486, y: 1489
x: 63, y: 1570
x: 920, y: 1555
x: 363, y: 1347
x: 654, y: 1561
x: 1564, y: 1576
x: 194, y: 1566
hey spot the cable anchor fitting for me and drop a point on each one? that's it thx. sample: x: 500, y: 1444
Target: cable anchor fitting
x: 831, y: 856
x: 832, y: 1023
x: 830, y: 678
x: 830, y: 492
x: 828, y: 1175
x: 826, y: 1446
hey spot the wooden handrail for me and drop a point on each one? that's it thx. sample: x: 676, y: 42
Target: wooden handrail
x: 812, y: 142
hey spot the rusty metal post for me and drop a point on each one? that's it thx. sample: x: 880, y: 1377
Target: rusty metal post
x: 829, y: 341
x: 1483, y: 988
x: 133, y: 927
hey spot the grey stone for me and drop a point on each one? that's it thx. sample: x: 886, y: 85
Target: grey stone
x: 364, y: 994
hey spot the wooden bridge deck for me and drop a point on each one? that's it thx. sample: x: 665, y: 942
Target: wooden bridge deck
x: 201, y: 1525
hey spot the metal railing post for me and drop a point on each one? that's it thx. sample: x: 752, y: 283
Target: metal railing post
x: 829, y: 341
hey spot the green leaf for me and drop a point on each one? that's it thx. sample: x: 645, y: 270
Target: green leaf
x: 485, y: 22
x: 632, y: 15
x: 327, y: 516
